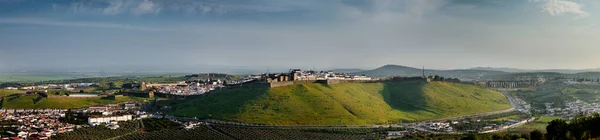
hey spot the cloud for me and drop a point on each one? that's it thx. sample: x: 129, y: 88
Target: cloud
x: 142, y: 7
x: 114, y: 7
x: 52, y: 22
x: 145, y: 7
x: 561, y: 7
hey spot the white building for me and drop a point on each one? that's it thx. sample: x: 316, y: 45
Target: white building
x: 28, y: 88
x: 100, y: 120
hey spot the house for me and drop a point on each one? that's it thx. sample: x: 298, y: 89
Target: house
x: 130, y: 106
x: 28, y: 88
x: 93, y: 121
x: 113, y: 106
x: 397, y: 133
x: 97, y: 108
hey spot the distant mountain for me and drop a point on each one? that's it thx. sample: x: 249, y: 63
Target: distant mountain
x: 500, y: 69
x: 398, y: 70
x: 514, y: 70
x: 547, y: 75
x: 392, y: 70
x: 346, y: 70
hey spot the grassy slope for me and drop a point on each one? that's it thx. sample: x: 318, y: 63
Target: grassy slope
x: 539, y: 124
x: 353, y: 103
x: 14, y: 99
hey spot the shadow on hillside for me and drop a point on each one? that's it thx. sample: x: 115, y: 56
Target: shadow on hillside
x: 220, y: 104
x: 405, y: 96
x: 13, y: 97
x: 37, y: 99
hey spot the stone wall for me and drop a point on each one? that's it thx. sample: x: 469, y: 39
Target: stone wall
x: 280, y: 84
x: 327, y: 82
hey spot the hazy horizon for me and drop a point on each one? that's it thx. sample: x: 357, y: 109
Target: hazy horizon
x: 279, y: 34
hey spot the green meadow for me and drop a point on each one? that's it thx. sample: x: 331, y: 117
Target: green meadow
x: 344, y: 104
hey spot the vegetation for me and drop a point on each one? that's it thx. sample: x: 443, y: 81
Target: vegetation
x: 579, y: 128
x: 154, y: 124
x: 539, y: 124
x: 166, y: 129
x: 288, y: 134
x: 198, y: 133
x: 343, y: 104
x: 99, y: 132
x: 556, y: 92
x: 22, y: 101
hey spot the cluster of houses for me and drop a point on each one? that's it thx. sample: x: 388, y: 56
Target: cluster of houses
x: 522, y: 106
x: 191, y: 88
x: 581, y: 81
x: 439, y: 126
x: 37, y: 124
x: 70, y: 87
x: 111, y: 114
x: 300, y: 75
x: 506, y: 125
x: 574, y: 108
x: 44, y: 123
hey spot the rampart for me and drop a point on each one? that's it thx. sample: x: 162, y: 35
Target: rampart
x: 327, y: 82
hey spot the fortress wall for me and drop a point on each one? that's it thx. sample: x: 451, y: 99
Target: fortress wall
x: 279, y: 84
x: 327, y: 82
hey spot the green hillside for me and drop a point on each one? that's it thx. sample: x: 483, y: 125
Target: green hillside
x: 344, y: 104
x: 15, y: 99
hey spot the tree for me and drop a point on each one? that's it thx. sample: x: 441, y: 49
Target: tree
x: 69, y: 115
x: 470, y: 137
x: 498, y: 137
x: 81, y: 91
x: 526, y: 136
x: 536, y: 135
x: 557, y: 130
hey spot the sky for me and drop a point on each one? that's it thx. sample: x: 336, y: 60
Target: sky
x: 439, y: 34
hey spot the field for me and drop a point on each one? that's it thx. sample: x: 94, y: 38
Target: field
x: 511, y: 117
x: 15, y: 99
x: 558, y: 93
x: 34, y: 78
x: 344, y: 104
x: 165, y: 129
x: 539, y: 124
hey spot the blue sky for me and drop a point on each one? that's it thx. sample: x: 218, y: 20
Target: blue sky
x: 442, y: 34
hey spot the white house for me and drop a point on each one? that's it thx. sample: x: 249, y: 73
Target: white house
x: 28, y: 88
x: 99, y: 120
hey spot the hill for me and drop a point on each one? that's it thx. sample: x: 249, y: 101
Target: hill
x: 512, y: 70
x: 515, y: 70
x: 344, y: 104
x: 397, y: 70
x: 347, y: 70
x: 15, y: 99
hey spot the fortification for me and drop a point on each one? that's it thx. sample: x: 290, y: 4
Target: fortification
x: 297, y: 76
x: 327, y: 82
